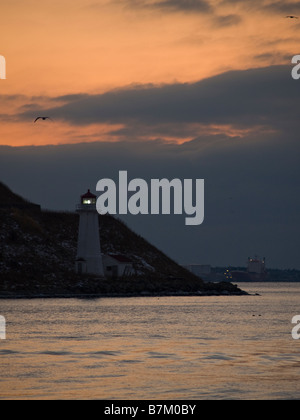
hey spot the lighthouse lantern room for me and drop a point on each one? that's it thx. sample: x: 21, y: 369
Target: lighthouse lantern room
x: 89, y: 259
x: 88, y: 198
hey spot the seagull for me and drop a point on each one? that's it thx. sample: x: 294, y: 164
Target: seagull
x: 42, y: 118
x: 292, y: 17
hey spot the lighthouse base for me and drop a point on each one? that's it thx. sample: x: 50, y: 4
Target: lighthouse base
x: 89, y: 266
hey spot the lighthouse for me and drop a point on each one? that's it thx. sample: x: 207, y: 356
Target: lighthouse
x: 89, y: 259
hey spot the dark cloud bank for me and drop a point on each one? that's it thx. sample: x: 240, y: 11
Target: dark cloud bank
x: 247, y: 98
x: 251, y: 183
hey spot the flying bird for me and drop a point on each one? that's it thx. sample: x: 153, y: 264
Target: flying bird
x: 42, y: 118
x: 292, y: 17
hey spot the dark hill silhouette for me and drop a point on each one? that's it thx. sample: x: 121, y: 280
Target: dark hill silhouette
x: 38, y: 252
x: 9, y: 199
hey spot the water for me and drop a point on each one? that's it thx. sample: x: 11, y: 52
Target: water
x: 237, y: 347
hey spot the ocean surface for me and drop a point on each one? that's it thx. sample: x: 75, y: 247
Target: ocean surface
x: 191, y: 348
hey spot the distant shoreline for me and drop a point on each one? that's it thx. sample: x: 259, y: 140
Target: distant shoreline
x: 124, y: 295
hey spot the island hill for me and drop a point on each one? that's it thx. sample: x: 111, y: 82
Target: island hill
x: 38, y: 252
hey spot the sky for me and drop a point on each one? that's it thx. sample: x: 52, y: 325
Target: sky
x: 197, y: 89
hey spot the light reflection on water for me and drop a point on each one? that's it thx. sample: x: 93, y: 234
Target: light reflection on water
x: 153, y: 348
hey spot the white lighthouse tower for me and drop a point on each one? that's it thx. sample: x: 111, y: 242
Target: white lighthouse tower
x: 89, y: 259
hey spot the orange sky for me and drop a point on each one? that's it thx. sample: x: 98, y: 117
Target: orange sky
x: 64, y: 47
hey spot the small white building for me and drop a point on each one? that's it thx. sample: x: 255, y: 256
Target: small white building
x: 117, y: 265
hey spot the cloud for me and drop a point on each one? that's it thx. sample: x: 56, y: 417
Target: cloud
x: 265, y: 97
x: 228, y: 20
x: 273, y: 57
x: 286, y: 7
x: 190, y: 6
x: 186, y: 6
x: 275, y: 6
x: 209, y: 6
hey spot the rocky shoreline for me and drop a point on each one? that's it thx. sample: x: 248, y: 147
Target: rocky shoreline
x: 118, y: 295
x: 95, y: 289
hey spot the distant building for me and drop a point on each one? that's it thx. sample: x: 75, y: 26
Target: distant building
x: 256, y: 271
x: 117, y: 265
x: 256, y: 265
x: 89, y: 258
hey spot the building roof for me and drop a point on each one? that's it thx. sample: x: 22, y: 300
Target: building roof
x: 88, y: 195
